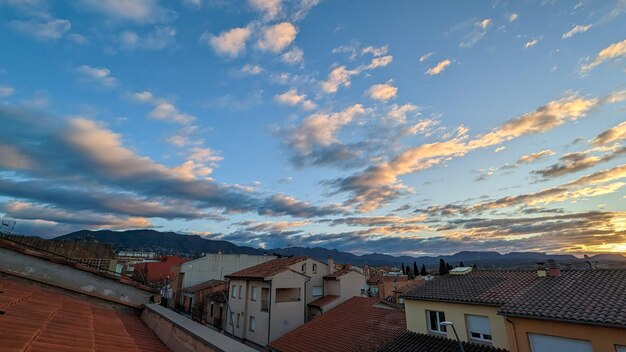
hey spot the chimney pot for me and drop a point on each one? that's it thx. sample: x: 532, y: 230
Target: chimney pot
x: 541, y: 270
x: 553, y: 268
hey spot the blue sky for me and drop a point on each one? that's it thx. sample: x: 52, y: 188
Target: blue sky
x: 399, y: 127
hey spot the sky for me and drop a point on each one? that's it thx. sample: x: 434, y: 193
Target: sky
x: 399, y: 127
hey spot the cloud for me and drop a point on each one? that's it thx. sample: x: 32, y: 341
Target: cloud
x: 249, y: 69
x: 383, y: 92
x: 513, y: 17
x: 267, y: 226
x: 375, y: 51
x: 611, y: 135
x: 378, y: 184
x: 426, y: 56
x: 157, y: 39
x: 574, y: 162
x: 100, y: 76
x: 163, y: 109
x: 339, y: 76
x: 6, y: 91
x: 322, y: 128
x: 398, y: 113
x: 378, y: 62
x: 291, y: 97
x: 531, y: 158
x: 472, y: 30
x: 230, y: 43
x: 613, y: 51
x: 484, y: 23
x: 142, y: 11
x: 11, y: 158
x: 78, y: 154
x: 440, y: 67
x: 575, y: 30
x: 277, y: 37
x: 46, y: 29
x: 499, y: 149
x: 531, y: 43
x: 271, y: 9
x: 293, y: 56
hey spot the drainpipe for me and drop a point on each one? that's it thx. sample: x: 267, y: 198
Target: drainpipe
x: 269, y: 313
x: 305, y: 302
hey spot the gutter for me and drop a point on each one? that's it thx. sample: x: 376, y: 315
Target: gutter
x: 305, y: 303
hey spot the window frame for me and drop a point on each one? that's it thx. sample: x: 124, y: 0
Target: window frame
x: 481, y: 338
x: 440, y: 317
x: 253, y: 293
x: 252, y: 324
x: 233, y: 292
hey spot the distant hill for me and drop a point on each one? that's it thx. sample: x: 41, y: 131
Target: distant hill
x: 165, y: 243
x: 193, y: 245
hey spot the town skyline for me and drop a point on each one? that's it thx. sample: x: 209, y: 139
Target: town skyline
x: 403, y: 128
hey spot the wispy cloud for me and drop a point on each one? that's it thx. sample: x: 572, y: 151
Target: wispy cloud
x: 611, y: 52
x: 100, y: 76
x: 277, y: 37
x: 291, y: 97
x: 531, y: 43
x: 231, y: 43
x: 439, y: 68
x: 383, y: 91
x: 575, y: 30
x: 45, y: 29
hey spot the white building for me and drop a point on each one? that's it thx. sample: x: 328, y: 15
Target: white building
x: 216, y: 266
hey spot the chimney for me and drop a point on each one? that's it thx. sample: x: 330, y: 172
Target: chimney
x: 331, y: 264
x: 553, y: 268
x: 541, y: 270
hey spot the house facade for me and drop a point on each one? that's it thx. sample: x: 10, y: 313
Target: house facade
x: 268, y: 300
x: 338, y: 287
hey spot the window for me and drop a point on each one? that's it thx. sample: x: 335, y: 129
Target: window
x: 478, y: 328
x: 314, y: 268
x: 211, y: 314
x: 304, y: 268
x: 265, y: 299
x: 234, y: 292
x: 318, y: 291
x: 545, y: 343
x: 253, y: 293
x: 620, y: 348
x: 434, y: 321
x: 238, y: 319
x: 232, y: 318
x: 252, y: 325
x: 240, y: 289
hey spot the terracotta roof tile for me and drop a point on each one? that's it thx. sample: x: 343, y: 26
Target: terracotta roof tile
x: 353, y: 326
x: 204, y: 286
x: 267, y: 269
x: 596, y: 297
x: 324, y: 300
x: 487, y: 287
x: 415, y: 342
x: 339, y: 273
x: 35, y: 319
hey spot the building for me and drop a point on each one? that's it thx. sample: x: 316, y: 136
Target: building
x: 337, y: 288
x: 217, y: 305
x: 216, y: 266
x: 471, y: 301
x: 390, y: 287
x: 195, y: 298
x: 570, y: 310
x: 157, y: 271
x: 359, y: 324
x: 268, y: 300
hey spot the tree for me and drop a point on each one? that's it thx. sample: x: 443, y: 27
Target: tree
x: 403, y: 269
x: 415, y: 271
x: 423, y: 272
x: 461, y: 264
x: 443, y: 267
x: 448, y: 267
x: 474, y: 266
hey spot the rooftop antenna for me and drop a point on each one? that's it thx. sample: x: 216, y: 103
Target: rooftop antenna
x: 7, y: 226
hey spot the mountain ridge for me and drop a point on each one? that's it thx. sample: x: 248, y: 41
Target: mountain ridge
x: 170, y: 243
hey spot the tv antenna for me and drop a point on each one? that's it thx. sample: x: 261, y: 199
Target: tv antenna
x: 7, y: 226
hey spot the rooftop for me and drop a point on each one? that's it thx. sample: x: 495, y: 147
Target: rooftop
x: 204, y: 286
x: 488, y: 287
x: 415, y: 342
x: 268, y: 268
x: 596, y: 297
x: 355, y: 325
x: 37, y: 319
x: 341, y: 272
x: 323, y: 301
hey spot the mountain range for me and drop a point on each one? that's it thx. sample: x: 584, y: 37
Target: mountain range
x: 171, y: 243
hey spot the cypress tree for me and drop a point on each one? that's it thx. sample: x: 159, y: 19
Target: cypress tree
x: 442, y: 267
x: 403, y: 269
x: 461, y: 264
x: 423, y: 272
x: 415, y: 271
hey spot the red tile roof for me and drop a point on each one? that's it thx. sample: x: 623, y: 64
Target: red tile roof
x: 268, y: 268
x: 353, y: 326
x: 204, y: 286
x: 378, y: 278
x: 36, y: 319
x: 324, y: 300
x: 339, y: 273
